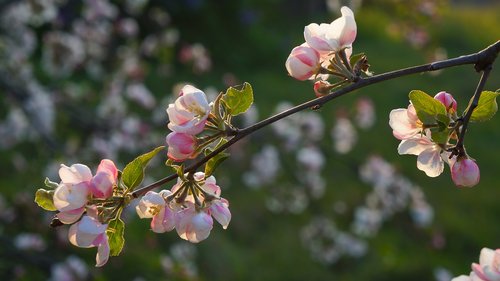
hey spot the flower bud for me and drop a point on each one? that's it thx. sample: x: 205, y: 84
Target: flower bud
x: 447, y: 99
x: 180, y: 146
x: 465, y: 173
x: 189, y: 113
x: 303, y: 62
x: 321, y: 88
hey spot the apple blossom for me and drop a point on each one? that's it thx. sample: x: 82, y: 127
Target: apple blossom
x: 192, y: 225
x: 188, y: 114
x: 153, y: 205
x: 181, y: 146
x: 465, y: 173
x: 447, y: 100
x: 303, y: 62
x: 405, y: 123
x: 71, y: 195
x: 333, y: 37
x: 88, y: 233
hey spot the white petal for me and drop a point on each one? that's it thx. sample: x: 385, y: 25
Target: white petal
x: 75, y: 174
x: 413, y: 146
x: 102, y: 253
x: 430, y: 162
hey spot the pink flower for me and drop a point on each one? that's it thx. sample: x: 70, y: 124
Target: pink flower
x: 71, y: 196
x: 88, y: 233
x: 192, y: 225
x: 465, y: 173
x: 189, y: 112
x: 219, y: 209
x: 303, y: 62
x: 429, y: 154
x: 104, y: 180
x: 405, y: 123
x: 181, y: 146
x: 333, y: 37
x: 153, y: 205
x: 447, y: 100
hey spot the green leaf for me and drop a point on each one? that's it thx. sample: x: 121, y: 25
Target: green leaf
x: 238, y: 101
x: 486, y: 107
x: 429, y: 110
x: 115, y: 232
x: 50, y: 184
x: 45, y: 199
x: 133, y: 174
x: 355, y: 58
x: 215, y: 161
x: 440, y: 136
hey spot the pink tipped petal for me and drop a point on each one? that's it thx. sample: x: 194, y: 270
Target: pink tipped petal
x: 77, y: 173
x: 478, y: 270
x: 201, y: 225
x: 403, y: 126
x: 69, y: 217
x: 413, y: 146
x: 164, y: 221
x: 430, y: 162
x: 109, y: 167
x: 68, y: 197
x: 102, y: 253
x: 102, y: 185
x: 220, y: 211
x: 303, y: 62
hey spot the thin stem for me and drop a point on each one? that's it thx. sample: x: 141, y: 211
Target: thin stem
x: 482, y: 60
x: 459, y: 148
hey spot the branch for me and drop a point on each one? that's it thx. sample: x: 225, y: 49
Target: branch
x: 482, y: 60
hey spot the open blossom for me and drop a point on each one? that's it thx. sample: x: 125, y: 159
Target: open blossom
x: 429, y: 154
x: 333, y: 37
x: 465, y: 173
x: 188, y: 114
x: 303, y: 62
x: 88, y: 233
x: 77, y: 184
x: 181, y: 146
x: 405, y: 123
x: 488, y: 268
x: 153, y: 205
x: 71, y: 196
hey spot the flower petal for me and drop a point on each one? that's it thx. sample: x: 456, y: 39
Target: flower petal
x: 430, y: 162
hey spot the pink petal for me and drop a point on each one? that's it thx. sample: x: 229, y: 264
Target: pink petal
x: 75, y: 174
x: 102, y: 253
x: 69, y: 217
x: 109, y: 167
x: 430, y: 162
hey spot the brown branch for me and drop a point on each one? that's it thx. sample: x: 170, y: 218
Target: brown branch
x: 481, y: 61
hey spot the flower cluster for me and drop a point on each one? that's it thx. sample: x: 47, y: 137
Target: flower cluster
x: 432, y: 142
x: 188, y: 207
x: 327, y: 51
x: 488, y: 268
x: 187, y: 115
x: 73, y: 199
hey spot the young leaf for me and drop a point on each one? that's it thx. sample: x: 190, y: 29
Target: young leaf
x: 486, y: 107
x: 355, y: 58
x: 238, y: 101
x: 45, y: 199
x: 50, y: 184
x: 115, y: 232
x: 133, y: 174
x: 215, y: 161
x: 429, y: 110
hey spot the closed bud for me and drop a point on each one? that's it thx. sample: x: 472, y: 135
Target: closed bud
x: 447, y: 100
x: 465, y: 173
x: 303, y: 62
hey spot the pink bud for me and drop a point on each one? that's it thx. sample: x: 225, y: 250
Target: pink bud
x: 321, y: 88
x: 181, y: 146
x: 303, y: 62
x: 447, y: 99
x: 465, y: 173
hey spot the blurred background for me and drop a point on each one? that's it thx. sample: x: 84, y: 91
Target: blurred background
x: 321, y: 195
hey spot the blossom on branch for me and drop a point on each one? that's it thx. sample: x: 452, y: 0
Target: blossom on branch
x: 488, y: 268
x: 88, y: 233
x: 190, y: 111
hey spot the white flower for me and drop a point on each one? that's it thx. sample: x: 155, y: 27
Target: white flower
x: 429, y: 154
